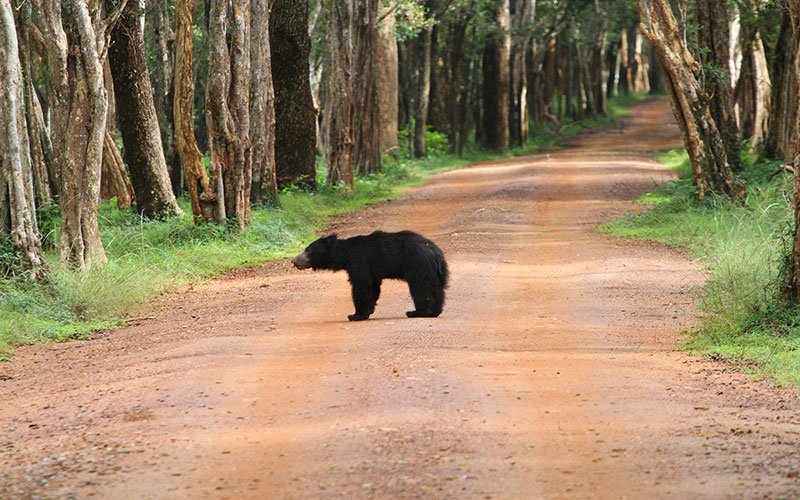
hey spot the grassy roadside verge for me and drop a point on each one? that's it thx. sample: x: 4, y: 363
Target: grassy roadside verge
x: 147, y: 258
x: 743, y: 247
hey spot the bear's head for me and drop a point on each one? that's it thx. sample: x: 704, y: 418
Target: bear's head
x: 318, y: 255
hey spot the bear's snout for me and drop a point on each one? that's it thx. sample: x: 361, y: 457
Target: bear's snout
x: 302, y: 261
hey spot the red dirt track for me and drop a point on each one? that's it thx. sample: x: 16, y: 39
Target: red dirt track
x: 553, y: 371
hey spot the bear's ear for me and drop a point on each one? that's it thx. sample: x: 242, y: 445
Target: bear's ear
x: 331, y: 238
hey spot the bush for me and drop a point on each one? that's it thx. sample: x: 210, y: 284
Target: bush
x: 743, y: 246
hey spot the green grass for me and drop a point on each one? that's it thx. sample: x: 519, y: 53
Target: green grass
x: 743, y: 246
x: 147, y: 257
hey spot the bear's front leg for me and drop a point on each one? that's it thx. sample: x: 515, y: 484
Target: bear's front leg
x: 364, y: 300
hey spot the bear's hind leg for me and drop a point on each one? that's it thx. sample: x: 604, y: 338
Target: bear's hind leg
x: 438, y: 301
x: 424, y: 301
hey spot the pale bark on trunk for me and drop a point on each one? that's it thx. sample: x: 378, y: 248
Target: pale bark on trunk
x: 221, y: 128
x: 137, y: 120
x: 41, y: 152
x: 711, y: 167
x: 164, y: 87
x: 339, y: 105
x: 202, y: 196
x: 640, y: 65
x: 85, y: 116
x: 15, y: 163
x: 753, y: 89
x: 316, y: 76
x: 520, y: 49
x: 238, y: 179
x: 388, y: 84
x: 262, y: 110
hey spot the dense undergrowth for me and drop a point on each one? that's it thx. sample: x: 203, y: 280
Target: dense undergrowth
x: 743, y: 247
x: 148, y: 257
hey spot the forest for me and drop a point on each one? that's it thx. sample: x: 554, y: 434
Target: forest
x: 121, y: 115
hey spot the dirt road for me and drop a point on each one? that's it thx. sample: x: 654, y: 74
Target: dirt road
x: 553, y: 371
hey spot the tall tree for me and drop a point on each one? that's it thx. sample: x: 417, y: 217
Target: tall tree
x: 202, y: 194
x: 239, y: 177
x: 791, y: 290
x: 710, y: 163
x: 228, y: 105
x: 496, y: 82
x: 753, y: 88
x: 339, y: 105
x: 424, y: 48
x: 163, y: 86
x: 262, y: 110
x: 387, y: 81
x: 75, y: 47
x: 15, y: 165
x: 714, y: 19
x: 295, y: 118
x: 366, y: 129
x: 136, y: 115
x: 41, y: 150
x: 781, y: 128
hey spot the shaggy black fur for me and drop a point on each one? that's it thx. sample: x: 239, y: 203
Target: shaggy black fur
x: 372, y: 258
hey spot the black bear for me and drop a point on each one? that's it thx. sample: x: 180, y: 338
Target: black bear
x: 372, y: 258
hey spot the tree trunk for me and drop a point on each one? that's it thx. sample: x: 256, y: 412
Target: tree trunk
x: 239, y: 178
x: 550, y: 73
x: 612, y: 65
x: 714, y: 16
x: 221, y: 129
x: 437, y: 101
x: 136, y: 115
x: 423, y: 93
x: 458, y: 92
x: 201, y: 195
x: 164, y: 87
x: 114, y: 173
x: 781, y: 130
x: 711, y: 167
x: 791, y: 289
x: 295, y: 118
x: 41, y: 151
x: 598, y: 53
x: 520, y: 49
x: 752, y: 91
x: 339, y: 106
x: 86, y: 106
x: 625, y: 79
x: 640, y: 77
x: 262, y: 110
x: 366, y: 129
x: 15, y: 166
x: 388, y: 84
x: 497, y: 79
